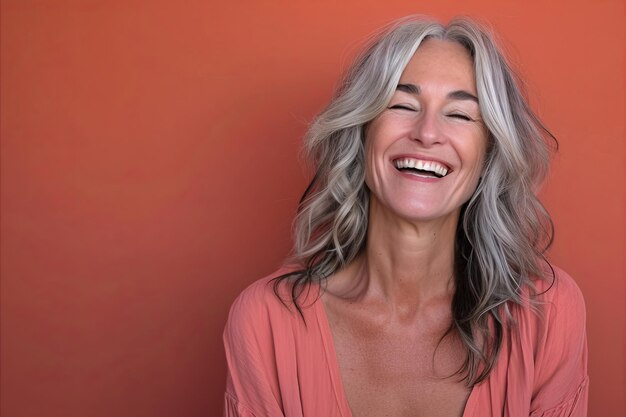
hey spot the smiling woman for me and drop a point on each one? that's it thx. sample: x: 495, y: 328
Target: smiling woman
x: 418, y: 284
x: 425, y: 152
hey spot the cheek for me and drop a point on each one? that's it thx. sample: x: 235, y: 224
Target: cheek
x: 477, y: 152
x: 374, y: 151
x: 372, y: 163
x: 474, y: 157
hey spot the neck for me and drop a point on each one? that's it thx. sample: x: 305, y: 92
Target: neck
x: 405, y: 263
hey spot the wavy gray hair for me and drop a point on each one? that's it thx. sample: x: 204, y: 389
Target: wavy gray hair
x: 504, y: 229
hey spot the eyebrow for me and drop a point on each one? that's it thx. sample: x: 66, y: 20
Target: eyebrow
x: 454, y: 95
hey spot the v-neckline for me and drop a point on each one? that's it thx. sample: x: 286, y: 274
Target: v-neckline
x: 335, y: 374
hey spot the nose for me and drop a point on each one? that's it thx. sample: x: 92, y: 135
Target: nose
x: 427, y: 129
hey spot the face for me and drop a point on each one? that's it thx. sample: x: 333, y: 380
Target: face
x: 425, y: 151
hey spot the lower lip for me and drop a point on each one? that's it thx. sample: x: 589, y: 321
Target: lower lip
x: 417, y: 177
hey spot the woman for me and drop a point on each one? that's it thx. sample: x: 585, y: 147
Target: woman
x: 418, y: 285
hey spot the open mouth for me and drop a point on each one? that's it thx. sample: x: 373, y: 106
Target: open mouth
x: 427, y: 169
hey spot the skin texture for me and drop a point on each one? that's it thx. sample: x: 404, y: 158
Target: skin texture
x: 390, y: 307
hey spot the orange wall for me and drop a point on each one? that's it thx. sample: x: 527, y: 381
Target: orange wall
x: 149, y: 173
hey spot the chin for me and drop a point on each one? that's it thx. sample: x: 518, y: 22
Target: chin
x: 423, y: 214
x: 414, y: 210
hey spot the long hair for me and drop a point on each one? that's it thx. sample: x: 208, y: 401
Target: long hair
x: 504, y: 229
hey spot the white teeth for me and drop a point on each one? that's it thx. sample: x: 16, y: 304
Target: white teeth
x: 431, y: 166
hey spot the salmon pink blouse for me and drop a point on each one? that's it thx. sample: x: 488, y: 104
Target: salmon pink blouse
x: 279, y: 366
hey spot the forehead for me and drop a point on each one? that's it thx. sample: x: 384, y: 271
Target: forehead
x: 441, y: 61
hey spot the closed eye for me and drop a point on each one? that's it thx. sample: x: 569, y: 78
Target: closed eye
x: 461, y: 116
x: 401, y: 107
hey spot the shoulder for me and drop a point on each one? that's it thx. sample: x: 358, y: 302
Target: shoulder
x: 560, y: 318
x: 552, y: 305
x: 555, y: 330
x: 267, y: 300
x: 561, y: 286
x: 559, y: 298
x: 258, y: 300
x: 254, y: 318
x: 552, y: 308
x: 256, y: 330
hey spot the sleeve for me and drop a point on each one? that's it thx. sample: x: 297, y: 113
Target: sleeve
x: 251, y: 384
x: 232, y: 407
x: 561, y: 382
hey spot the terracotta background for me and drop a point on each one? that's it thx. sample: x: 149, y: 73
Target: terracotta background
x: 149, y: 173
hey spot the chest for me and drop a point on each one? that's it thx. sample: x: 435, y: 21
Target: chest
x: 390, y: 368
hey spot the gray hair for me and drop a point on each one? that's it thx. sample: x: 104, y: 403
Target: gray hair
x: 504, y: 229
